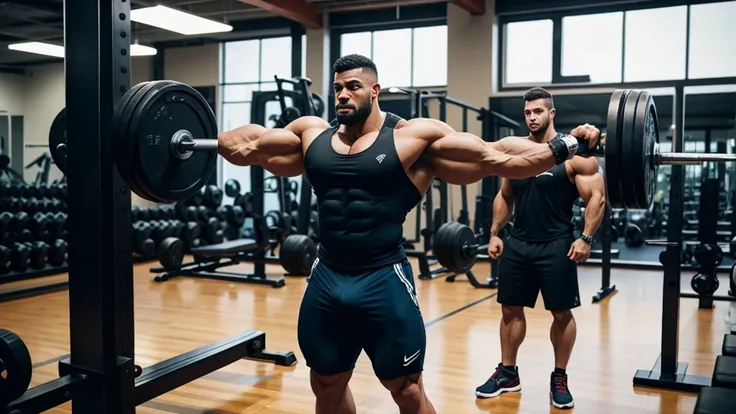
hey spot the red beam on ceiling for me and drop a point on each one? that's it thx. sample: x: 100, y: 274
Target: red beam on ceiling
x: 474, y: 7
x: 297, y: 10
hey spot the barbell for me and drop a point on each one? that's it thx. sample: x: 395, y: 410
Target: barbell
x: 632, y: 158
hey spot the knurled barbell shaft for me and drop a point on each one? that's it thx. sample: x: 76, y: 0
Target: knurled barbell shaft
x: 684, y: 158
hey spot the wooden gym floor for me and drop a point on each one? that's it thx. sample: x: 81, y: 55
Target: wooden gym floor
x: 615, y: 338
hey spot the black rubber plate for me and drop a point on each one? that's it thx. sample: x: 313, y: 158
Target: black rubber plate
x: 57, y: 136
x: 613, y: 150
x: 161, y: 111
x: 15, y: 367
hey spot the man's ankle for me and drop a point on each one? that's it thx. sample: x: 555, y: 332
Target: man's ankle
x: 560, y: 371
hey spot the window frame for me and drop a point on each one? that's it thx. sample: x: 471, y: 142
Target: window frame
x: 560, y: 82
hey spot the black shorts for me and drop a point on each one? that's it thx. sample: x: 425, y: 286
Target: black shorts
x: 525, y: 268
x: 375, y: 311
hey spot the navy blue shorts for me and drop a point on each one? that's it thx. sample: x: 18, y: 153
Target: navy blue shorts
x: 376, y: 311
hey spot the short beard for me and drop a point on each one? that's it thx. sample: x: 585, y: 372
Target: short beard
x: 539, y: 133
x: 358, y: 115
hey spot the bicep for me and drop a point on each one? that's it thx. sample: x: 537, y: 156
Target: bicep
x: 590, y: 185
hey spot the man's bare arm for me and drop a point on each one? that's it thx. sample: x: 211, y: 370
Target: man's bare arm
x: 463, y: 158
x: 592, y: 189
x: 503, y: 207
x: 277, y: 150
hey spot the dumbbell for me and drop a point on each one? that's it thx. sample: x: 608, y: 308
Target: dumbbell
x: 142, y: 242
x: 212, y: 196
x: 38, y: 255
x: 232, y: 188
x: 5, y: 254
x: 55, y: 225
x: 190, y: 234
x: 19, y: 221
x: 57, y: 253
x: 5, y: 219
x: 233, y: 215
x: 19, y: 255
x: 37, y: 225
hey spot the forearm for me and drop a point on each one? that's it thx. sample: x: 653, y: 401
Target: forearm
x: 594, y: 210
x: 502, y: 211
x: 237, y: 146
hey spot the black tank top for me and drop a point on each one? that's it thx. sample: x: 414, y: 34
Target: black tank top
x: 543, y: 205
x: 363, y: 200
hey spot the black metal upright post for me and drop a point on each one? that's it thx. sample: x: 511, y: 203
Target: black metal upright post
x: 667, y: 372
x: 97, y: 70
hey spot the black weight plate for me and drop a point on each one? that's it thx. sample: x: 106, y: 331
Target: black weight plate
x: 141, y: 190
x: 171, y: 253
x: 120, y: 121
x: 440, y: 248
x: 628, y: 149
x: 15, y: 358
x: 614, y: 193
x: 57, y: 136
x: 646, y: 138
x: 465, y: 259
x: 163, y: 110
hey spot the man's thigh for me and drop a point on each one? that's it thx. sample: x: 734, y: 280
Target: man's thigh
x: 325, y: 329
x: 558, y: 276
x: 517, y: 284
x: 391, y: 323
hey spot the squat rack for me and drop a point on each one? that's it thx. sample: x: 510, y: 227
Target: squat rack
x: 100, y: 375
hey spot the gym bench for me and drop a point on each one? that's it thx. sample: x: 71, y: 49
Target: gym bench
x: 207, y: 259
x: 729, y: 345
x: 724, y: 372
x: 714, y: 400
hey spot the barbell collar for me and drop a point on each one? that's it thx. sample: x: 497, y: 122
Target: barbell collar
x: 183, y: 144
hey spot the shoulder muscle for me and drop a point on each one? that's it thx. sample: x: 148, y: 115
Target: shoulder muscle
x: 425, y: 129
x: 304, y: 123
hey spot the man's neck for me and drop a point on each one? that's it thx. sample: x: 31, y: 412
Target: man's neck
x: 549, y: 135
x: 373, y: 123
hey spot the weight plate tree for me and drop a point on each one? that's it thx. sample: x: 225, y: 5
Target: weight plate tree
x: 158, y: 140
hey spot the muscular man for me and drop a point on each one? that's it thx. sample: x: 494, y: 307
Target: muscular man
x: 367, y: 172
x: 541, y: 253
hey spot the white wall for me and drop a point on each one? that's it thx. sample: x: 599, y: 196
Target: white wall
x: 12, y: 95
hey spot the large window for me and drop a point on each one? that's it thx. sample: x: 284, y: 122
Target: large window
x: 529, y: 52
x: 405, y: 57
x: 655, y: 44
x: 649, y: 45
x: 591, y: 45
x: 249, y: 66
x: 712, y: 31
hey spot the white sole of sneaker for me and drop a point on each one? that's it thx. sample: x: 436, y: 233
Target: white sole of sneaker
x: 497, y: 393
x: 571, y: 404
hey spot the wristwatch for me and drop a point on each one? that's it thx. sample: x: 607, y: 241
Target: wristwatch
x: 586, y: 239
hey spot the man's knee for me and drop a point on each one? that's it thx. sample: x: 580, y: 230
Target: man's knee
x: 407, y: 391
x: 329, y: 386
x: 512, y: 312
x: 562, y: 317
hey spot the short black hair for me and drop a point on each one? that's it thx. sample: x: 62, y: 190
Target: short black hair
x: 538, y: 93
x: 353, y: 61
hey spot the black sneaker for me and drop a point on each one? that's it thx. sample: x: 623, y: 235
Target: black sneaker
x: 559, y: 394
x: 503, y: 380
